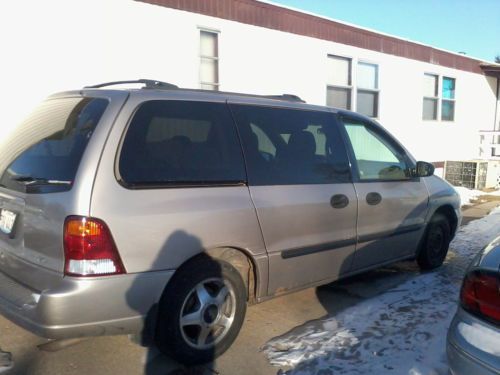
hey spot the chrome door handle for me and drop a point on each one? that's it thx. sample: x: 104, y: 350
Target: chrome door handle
x: 373, y: 198
x: 339, y: 201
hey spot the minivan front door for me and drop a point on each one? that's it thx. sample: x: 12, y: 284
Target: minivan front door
x: 300, y: 183
x: 392, y: 205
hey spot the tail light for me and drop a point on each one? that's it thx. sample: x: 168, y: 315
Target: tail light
x: 480, y: 295
x: 89, y: 249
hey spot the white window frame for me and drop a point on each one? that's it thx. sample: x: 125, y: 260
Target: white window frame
x: 216, y: 85
x: 376, y: 91
x: 439, y: 98
x: 454, y: 100
x: 350, y: 79
x: 435, y: 98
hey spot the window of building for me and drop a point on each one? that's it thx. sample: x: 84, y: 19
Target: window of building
x: 438, y: 103
x: 209, y: 60
x: 338, y: 90
x: 291, y: 147
x: 431, y: 99
x: 367, y: 89
x: 448, y: 101
x: 181, y: 143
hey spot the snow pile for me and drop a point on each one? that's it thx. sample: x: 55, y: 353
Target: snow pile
x: 401, y: 331
x: 468, y: 195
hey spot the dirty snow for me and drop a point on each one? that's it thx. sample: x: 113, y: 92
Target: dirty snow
x: 468, y: 195
x: 481, y: 337
x: 401, y: 331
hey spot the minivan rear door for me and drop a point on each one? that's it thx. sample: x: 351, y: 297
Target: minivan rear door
x: 299, y: 180
x: 392, y: 204
x: 41, y: 181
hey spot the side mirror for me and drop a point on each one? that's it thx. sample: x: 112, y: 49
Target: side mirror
x: 423, y: 169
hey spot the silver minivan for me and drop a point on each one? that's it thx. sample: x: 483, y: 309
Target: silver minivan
x: 163, y: 212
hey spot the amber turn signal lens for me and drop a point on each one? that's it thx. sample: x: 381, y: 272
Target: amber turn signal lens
x: 83, y: 228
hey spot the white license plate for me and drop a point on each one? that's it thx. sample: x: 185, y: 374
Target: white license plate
x: 7, y: 220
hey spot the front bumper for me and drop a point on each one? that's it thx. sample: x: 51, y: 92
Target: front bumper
x: 458, y: 213
x: 78, y: 307
x: 465, y: 358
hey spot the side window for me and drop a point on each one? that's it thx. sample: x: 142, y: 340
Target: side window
x: 175, y: 142
x: 265, y: 145
x: 291, y: 147
x: 376, y: 157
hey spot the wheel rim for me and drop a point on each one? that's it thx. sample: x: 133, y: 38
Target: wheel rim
x: 435, y: 243
x: 207, y: 313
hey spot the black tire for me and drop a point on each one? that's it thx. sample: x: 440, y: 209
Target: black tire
x: 435, y: 243
x: 181, y: 294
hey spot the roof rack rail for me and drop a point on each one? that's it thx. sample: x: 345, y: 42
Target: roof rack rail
x: 287, y: 97
x: 148, y: 84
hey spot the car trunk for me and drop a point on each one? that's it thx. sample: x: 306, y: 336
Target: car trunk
x: 38, y: 168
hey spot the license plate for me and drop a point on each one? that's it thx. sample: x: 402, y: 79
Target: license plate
x: 7, y: 220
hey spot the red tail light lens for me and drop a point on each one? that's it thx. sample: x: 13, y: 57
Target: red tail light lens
x: 480, y: 295
x: 89, y: 249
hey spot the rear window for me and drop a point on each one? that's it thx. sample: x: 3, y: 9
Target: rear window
x: 43, y: 154
x: 181, y: 143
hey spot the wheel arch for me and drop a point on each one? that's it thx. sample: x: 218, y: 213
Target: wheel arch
x: 241, y: 260
x: 448, y: 211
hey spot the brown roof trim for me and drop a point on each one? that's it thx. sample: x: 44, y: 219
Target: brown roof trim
x: 283, y: 19
x: 492, y: 70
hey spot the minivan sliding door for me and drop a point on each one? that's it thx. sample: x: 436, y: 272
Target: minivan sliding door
x: 300, y: 184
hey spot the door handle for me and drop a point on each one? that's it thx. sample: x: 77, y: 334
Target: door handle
x: 373, y: 198
x: 339, y: 201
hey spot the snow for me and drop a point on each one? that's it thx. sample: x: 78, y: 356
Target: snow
x: 468, y: 195
x: 481, y: 337
x: 401, y: 331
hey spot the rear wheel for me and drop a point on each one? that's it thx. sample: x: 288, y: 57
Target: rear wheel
x: 435, y: 243
x: 201, y: 311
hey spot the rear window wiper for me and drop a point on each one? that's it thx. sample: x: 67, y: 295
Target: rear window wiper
x: 29, y: 180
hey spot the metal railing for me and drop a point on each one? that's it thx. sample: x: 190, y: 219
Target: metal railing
x: 489, y: 144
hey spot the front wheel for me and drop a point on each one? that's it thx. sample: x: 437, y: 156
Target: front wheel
x: 201, y: 311
x: 435, y: 243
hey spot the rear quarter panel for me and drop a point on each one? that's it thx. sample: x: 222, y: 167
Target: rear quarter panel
x: 34, y: 255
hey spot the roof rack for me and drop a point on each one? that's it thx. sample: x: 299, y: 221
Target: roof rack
x: 148, y: 84
x: 153, y: 84
x: 287, y: 97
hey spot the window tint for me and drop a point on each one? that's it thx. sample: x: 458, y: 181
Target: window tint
x: 50, y: 144
x: 266, y: 146
x: 376, y: 157
x: 284, y: 146
x: 448, y: 103
x: 175, y: 142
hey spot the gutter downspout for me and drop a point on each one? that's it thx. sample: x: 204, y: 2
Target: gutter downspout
x: 496, y: 125
x: 496, y: 106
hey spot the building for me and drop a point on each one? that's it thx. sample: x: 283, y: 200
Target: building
x: 436, y: 102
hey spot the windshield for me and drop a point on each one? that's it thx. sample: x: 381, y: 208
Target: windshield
x: 43, y: 154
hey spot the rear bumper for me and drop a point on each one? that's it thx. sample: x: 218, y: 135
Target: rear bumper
x: 465, y: 358
x: 78, y: 307
x: 463, y: 364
